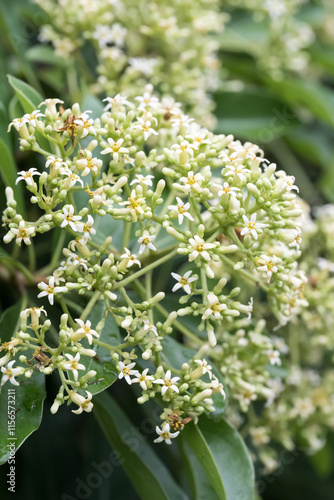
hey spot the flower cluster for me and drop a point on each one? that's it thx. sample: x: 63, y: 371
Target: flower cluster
x: 168, y: 44
x: 214, y: 207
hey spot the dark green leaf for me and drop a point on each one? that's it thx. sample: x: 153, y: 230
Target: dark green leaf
x: 9, y: 321
x: 224, y: 457
x: 148, y: 474
x: 253, y: 115
x: 201, y: 486
x: 29, y: 397
x: 198, y: 444
x: 313, y: 96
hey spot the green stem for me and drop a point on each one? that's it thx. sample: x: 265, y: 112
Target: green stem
x: 126, y: 234
x: 182, y: 328
x: 145, y: 269
x: 58, y: 249
x: 90, y: 305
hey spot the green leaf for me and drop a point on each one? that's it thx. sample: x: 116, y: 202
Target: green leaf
x: 28, y: 97
x: 16, y: 263
x: 315, y: 97
x: 9, y: 320
x: 253, y: 114
x: 223, y: 456
x: 149, y: 476
x: 46, y: 55
x: 198, y: 444
x: 199, y: 481
x: 29, y: 395
x: 8, y: 173
x: 102, y: 363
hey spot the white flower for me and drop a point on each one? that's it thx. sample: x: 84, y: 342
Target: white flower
x: 141, y: 179
x: 146, y: 241
x: 147, y: 100
x: 217, y: 386
x: 150, y: 328
x: 251, y: 226
x: 200, y: 248
x: 132, y: 258
x: 27, y: 176
x: 167, y: 383
x: 118, y: 34
x: 199, y: 139
x: 215, y: 307
x: 50, y: 290
x: 184, y: 149
x: 126, y: 371
x: 9, y: 373
x: 181, y: 209
x: 88, y: 228
x: 142, y: 379
x: 86, y: 123
x: 115, y: 148
x: 84, y: 404
x: 143, y: 65
x: 274, y: 357
x: 205, y: 367
x: 32, y: 117
x: 89, y: 164
x: 74, y: 259
x: 55, y: 163
x: 181, y: 121
x: 297, y: 238
x: 103, y: 35
x: 35, y: 314
x: 85, y: 330
x: 51, y: 104
x: 73, y: 365
x: 118, y: 100
x: 73, y: 178
x: 20, y: 233
x: 239, y: 171
x: 17, y: 123
x: 183, y: 281
x: 71, y: 219
x: 134, y: 205
x: 165, y: 434
x: 192, y: 182
x: 286, y: 181
x: 226, y: 189
x: 145, y: 127
x: 303, y: 407
x: 268, y: 265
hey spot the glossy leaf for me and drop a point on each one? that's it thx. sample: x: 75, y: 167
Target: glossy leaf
x: 148, y: 474
x: 223, y: 456
x: 201, y: 488
x: 28, y: 97
x: 29, y: 396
